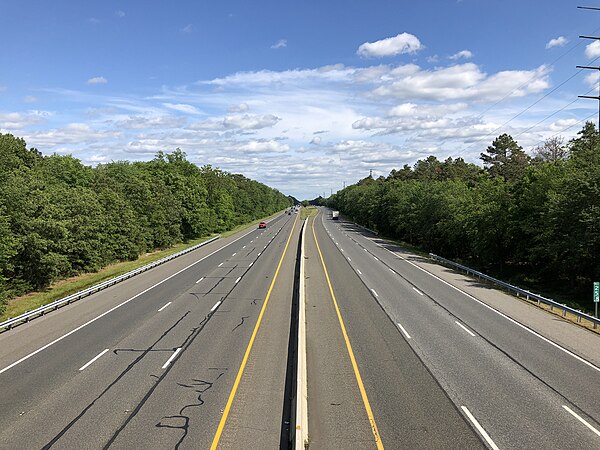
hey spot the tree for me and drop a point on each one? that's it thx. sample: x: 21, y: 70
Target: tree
x: 553, y: 149
x: 505, y: 158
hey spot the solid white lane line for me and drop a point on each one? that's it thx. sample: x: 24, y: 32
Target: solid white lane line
x: 581, y: 419
x: 417, y: 291
x: 237, y: 281
x: 359, y: 272
x: 168, y: 303
x: 250, y: 265
x: 483, y: 433
x: 199, y: 280
x: 404, y: 331
x: 374, y: 293
x: 510, y: 319
x: 220, y: 265
x: 93, y: 359
x: 235, y: 253
x: 171, y: 358
x: 216, y: 305
x: 464, y: 328
x: 26, y: 357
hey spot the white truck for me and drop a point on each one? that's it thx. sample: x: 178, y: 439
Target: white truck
x: 335, y: 215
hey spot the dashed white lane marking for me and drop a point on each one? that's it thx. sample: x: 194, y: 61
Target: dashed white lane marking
x: 216, y: 305
x: 220, y: 265
x: 349, y: 259
x: 170, y: 360
x: 244, y: 246
x: 341, y: 249
x: 375, y: 257
x: 417, y: 291
x: 582, y: 420
x: 359, y: 272
x: 374, y: 293
x: 93, y: 359
x: 258, y: 254
x: 199, y: 280
x: 163, y: 307
x: 404, y: 331
x: 464, y: 328
x: 238, y: 279
x: 391, y: 270
x: 234, y: 254
x: 483, y: 433
x: 250, y: 265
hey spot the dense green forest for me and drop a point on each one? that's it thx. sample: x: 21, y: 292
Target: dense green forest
x: 531, y: 220
x: 59, y: 217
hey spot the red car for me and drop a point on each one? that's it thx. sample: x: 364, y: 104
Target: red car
x: 262, y: 225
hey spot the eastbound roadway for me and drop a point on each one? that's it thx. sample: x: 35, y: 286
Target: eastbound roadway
x: 520, y: 388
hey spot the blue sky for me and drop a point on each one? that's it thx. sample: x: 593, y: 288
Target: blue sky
x: 301, y: 95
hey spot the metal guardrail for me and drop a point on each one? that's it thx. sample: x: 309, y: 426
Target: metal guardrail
x: 521, y: 292
x: 26, y: 317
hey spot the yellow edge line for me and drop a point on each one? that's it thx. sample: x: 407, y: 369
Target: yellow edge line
x: 361, y: 386
x: 217, y: 437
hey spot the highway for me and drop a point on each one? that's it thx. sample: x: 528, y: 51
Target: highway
x: 520, y: 388
x: 157, y: 361
x: 401, y: 353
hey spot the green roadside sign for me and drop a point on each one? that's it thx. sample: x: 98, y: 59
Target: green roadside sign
x: 596, y: 291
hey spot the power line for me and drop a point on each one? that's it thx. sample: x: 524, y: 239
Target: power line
x: 565, y: 129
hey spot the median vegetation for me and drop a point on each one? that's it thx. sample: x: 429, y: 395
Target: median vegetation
x: 60, y: 218
x: 534, y: 221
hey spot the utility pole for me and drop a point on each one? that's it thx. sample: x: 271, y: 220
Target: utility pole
x: 594, y: 97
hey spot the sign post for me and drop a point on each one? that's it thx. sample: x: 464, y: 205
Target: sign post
x: 596, y: 297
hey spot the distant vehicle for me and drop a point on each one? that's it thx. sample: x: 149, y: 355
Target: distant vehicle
x: 262, y: 225
x: 335, y: 215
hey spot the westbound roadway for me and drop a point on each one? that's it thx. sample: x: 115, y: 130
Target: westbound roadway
x: 153, y: 362
x: 518, y: 387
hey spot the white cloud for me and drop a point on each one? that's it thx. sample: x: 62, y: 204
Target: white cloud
x: 592, y: 78
x: 592, y: 50
x: 187, y: 29
x: 3, y: 88
x: 120, y: 14
x: 241, y: 107
x: 245, y: 122
x: 182, y: 107
x: 152, y: 122
x: 461, y: 82
x: 281, y: 43
x: 30, y: 99
x: 560, y: 41
x: 433, y: 59
x: 399, y: 44
x: 259, y: 146
x: 463, y: 54
x: 18, y: 120
x: 316, y: 140
x: 97, y: 80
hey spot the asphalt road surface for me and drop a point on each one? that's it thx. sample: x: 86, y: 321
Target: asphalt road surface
x: 524, y: 389
x: 152, y: 362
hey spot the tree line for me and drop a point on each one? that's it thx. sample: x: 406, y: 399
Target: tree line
x: 531, y: 220
x: 59, y: 217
